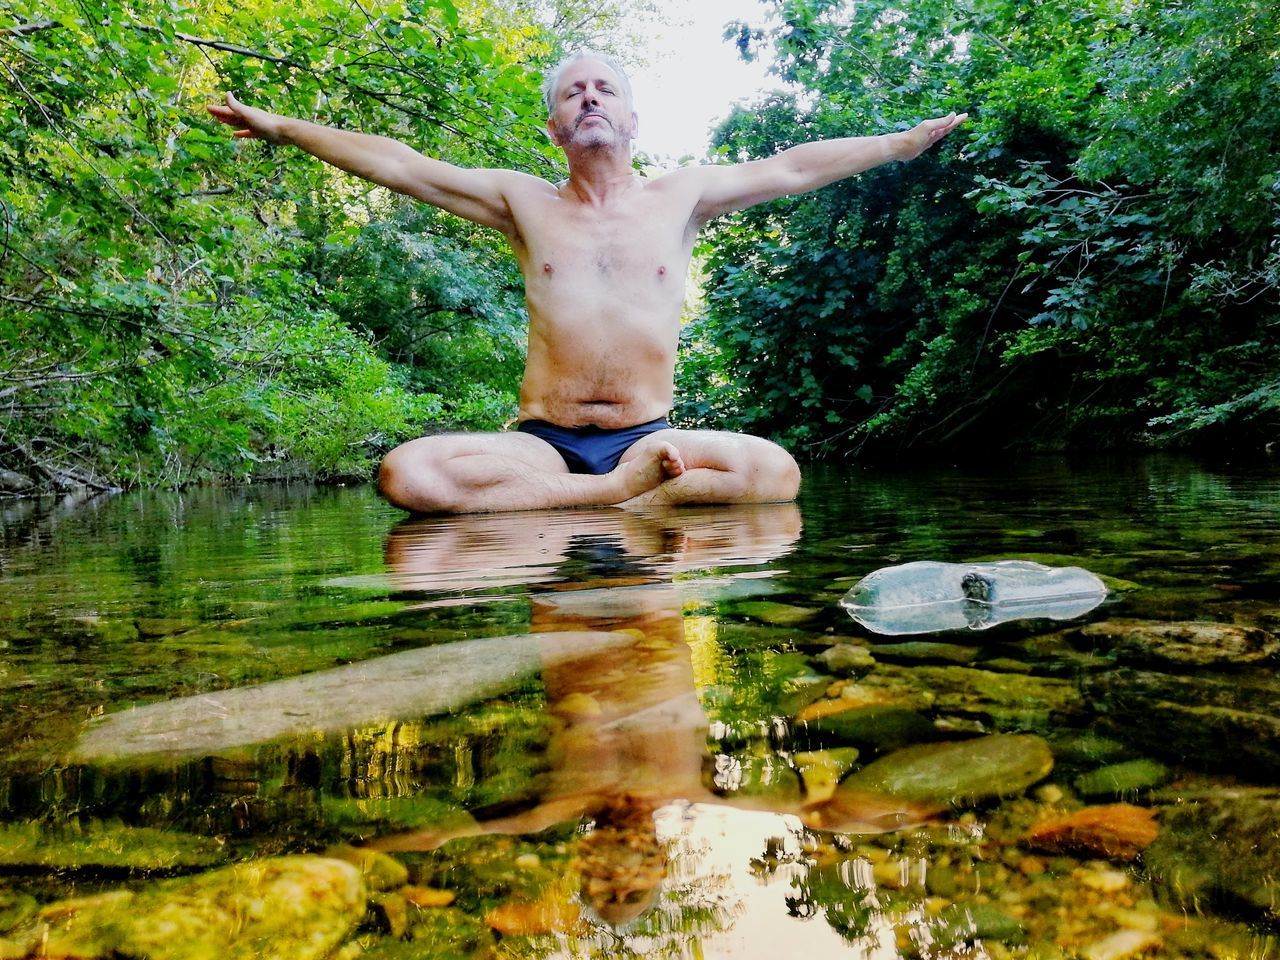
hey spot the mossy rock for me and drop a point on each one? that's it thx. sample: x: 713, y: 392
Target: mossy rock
x: 16, y: 908
x: 764, y: 777
x: 1121, y: 779
x: 1220, y: 849
x: 297, y: 907
x: 846, y: 659
x: 154, y: 627
x: 439, y: 933
x: 1189, y: 718
x: 105, y: 845
x: 1088, y: 749
x: 973, y: 923
x: 1007, y: 701
x: 1190, y: 643
x: 874, y: 728
x: 381, y: 871
x: 821, y: 770
x: 926, y: 650
x: 957, y: 774
x: 773, y: 613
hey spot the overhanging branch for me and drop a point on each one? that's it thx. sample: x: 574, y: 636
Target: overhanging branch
x: 23, y: 29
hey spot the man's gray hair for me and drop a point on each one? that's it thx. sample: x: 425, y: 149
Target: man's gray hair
x: 552, y: 77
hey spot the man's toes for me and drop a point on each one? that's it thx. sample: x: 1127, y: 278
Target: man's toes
x: 672, y: 463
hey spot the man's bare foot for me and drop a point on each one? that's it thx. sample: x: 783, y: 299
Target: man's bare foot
x: 647, y: 470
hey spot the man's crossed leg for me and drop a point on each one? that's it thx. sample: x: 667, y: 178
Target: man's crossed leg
x: 473, y: 473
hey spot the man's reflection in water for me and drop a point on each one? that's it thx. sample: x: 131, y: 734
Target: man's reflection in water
x: 631, y: 734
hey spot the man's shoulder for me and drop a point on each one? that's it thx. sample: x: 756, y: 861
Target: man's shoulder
x: 517, y: 180
x: 693, y: 177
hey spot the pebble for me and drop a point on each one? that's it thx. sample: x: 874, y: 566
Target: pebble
x: 1050, y: 794
x: 1105, y: 879
x: 1121, y: 944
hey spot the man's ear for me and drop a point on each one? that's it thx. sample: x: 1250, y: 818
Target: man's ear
x: 635, y: 124
x: 551, y: 132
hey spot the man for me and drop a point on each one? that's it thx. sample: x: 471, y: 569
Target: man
x: 604, y: 256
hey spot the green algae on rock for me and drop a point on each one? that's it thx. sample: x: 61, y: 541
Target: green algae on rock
x: 1220, y: 848
x: 105, y: 845
x: 1190, y: 718
x: 283, y: 908
x: 381, y: 871
x: 875, y: 728
x: 773, y: 613
x: 1008, y: 701
x: 959, y: 774
x: 1122, y: 779
x: 846, y: 659
x: 960, y: 924
x: 1190, y: 643
x: 912, y: 650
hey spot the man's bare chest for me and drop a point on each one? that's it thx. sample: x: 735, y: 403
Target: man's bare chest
x: 622, y: 244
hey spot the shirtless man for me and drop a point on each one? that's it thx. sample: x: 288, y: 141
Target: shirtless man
x: 604, y: 256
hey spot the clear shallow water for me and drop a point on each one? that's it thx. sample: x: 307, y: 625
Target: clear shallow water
x: 604, y: 732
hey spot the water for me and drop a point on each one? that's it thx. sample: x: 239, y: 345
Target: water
x: 600, y: 732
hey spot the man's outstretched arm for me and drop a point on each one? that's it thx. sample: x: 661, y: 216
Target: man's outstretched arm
x: 809, y: 166
x: 476, y: 195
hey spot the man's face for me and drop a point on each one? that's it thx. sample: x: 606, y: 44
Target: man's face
x: 590, y: 108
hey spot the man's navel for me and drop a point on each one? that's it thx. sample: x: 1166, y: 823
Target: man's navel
x: 662, y: 271
x: 548, y: 269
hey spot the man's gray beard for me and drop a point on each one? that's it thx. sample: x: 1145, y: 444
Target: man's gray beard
x: 598, y: 138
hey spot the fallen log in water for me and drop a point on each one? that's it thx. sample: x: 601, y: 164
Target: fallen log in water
x: 414, y: 683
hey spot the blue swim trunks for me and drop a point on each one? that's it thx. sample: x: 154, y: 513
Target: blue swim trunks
x: 590, y: 449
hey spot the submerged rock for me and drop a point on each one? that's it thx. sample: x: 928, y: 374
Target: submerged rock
x: 927, y: 650
x: 773, y: 613
x: 291, y: 908
x: 100, y: 845
x: 874, y: 728
x: 1187, y: 643
x: 381, y: 871
x: 1008, y: 701
x: 1223, y: 848
x: 1122, y: 779
x: 1088, y: 749
x: 960, y: 924
x: 1189, y: 718
x: 1121, y: 945
x: 821, y: 770
x: 846, y: 659
x: 958, y: 774
x: 155, y: 627
x: 15, y: 908
x: 1118, y: 831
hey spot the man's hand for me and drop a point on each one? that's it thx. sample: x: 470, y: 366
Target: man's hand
x: 250, y: 122
x: 925, y: 134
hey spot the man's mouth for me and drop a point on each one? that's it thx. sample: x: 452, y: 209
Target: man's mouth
x: 588, y: 116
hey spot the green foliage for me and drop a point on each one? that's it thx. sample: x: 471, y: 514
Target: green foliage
x: 176, y: 305
x: 1092, y: 260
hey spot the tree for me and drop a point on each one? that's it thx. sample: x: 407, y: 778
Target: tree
x: 1096, y: 265
x: 174, y: 304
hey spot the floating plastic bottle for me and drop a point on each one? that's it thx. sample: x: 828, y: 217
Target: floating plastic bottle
x: 928, y: 596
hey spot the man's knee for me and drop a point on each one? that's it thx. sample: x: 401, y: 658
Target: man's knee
x: 764, y: 471
x: 777, y: 473
x: 410, y: 477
